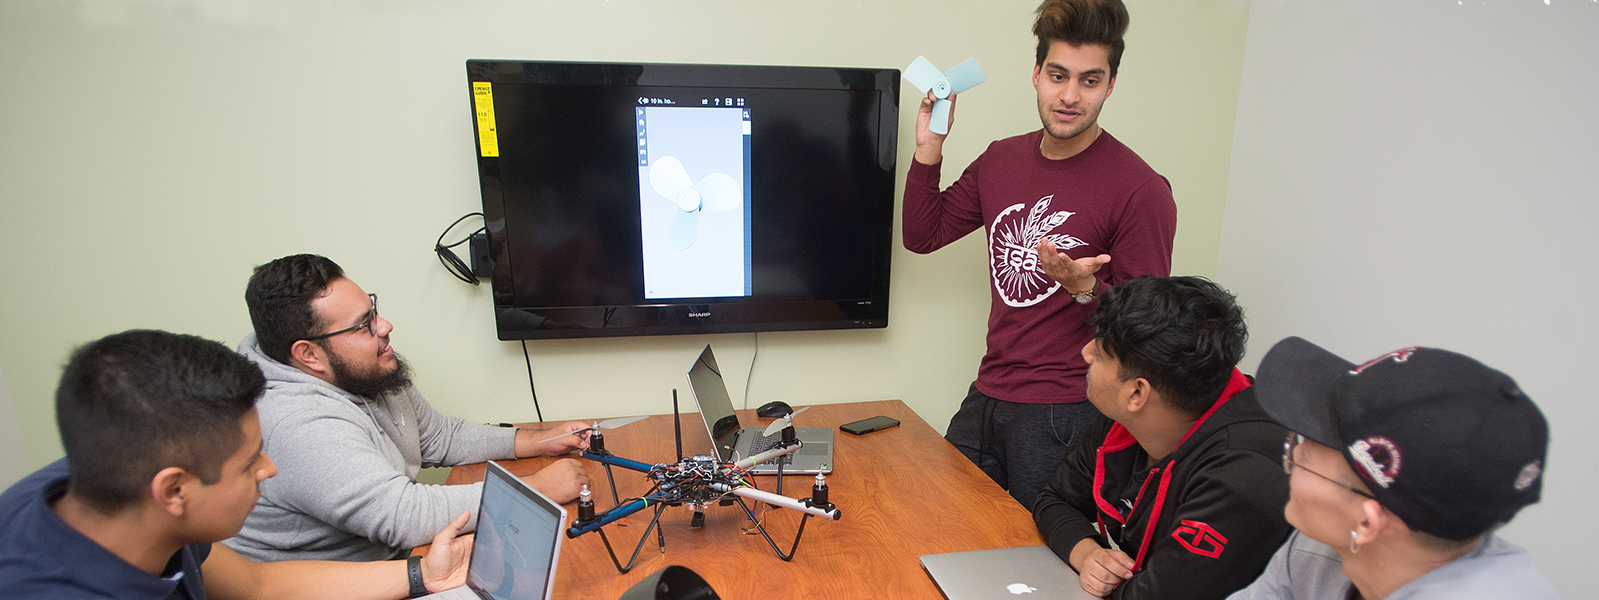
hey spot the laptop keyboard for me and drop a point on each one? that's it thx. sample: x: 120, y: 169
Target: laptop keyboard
x: 763, y: 443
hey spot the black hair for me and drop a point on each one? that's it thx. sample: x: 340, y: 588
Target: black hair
x: 134, y: 403
x: 279, y: 296
x: 1183, y: 334
x: 1082, y: 22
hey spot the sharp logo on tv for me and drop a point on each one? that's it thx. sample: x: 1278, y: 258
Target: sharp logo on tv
x: 700, y: 314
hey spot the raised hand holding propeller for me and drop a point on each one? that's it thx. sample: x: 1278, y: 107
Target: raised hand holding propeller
x: 959, y: 78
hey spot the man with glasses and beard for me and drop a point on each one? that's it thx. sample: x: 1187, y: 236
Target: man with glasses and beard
x: 349, y: 431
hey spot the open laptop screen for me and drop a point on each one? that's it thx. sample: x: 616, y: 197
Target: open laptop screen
x: 705, y: 382
x: 518, y: 535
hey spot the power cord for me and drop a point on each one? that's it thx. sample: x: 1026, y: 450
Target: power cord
x: 530, y: 387
x: 451, y: 262
x: 751, y: 374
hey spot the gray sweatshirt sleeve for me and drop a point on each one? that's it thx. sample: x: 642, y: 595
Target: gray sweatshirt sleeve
x: 333, y: 470
x: 448, y: 441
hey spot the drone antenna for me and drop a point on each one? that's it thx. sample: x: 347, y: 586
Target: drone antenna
x: 677, y: 426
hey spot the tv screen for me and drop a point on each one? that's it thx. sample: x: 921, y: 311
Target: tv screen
x: 651, y: 199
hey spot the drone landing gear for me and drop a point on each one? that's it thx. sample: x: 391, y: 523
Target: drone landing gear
x: 699, y: 516
x: 660, y: 540
x: 749, y: 514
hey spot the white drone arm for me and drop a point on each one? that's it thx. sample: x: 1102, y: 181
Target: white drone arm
x: 776, y: 500
x: 766, y: 456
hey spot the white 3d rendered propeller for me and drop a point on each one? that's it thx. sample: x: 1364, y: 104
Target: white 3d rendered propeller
x: 783, y: 422
x: 715, y: 192
x: 606, y: 424
x: 944, y: 84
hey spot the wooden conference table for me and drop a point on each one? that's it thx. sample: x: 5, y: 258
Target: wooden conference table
x: 903, y: 492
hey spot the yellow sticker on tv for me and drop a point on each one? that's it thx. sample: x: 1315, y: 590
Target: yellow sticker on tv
x: 488, y: 141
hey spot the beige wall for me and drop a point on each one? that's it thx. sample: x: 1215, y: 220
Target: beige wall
x: 1387, y: 231
x: 153, y: 152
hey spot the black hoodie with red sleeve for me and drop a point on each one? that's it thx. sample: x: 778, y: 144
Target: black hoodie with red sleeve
x: 1200, y: 523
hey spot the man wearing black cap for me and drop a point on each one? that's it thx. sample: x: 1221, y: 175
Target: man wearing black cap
x: 1400, y: 470
x: 1182, y: 471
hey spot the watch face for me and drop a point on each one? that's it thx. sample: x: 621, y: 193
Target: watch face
x: 1084, y: 298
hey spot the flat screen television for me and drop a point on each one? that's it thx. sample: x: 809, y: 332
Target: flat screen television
x: 653, y: 199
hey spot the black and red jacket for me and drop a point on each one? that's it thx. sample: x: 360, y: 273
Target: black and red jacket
x: 1201, y: 523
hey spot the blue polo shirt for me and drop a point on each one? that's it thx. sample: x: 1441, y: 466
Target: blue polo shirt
x: 42, y: 557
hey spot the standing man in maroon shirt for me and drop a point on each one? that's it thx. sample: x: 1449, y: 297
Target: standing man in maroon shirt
x: 1068, y: 211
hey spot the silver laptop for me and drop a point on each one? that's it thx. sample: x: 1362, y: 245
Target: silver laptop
x: 517, y: 545
x: 1004, y: 573
x: 733, y: 441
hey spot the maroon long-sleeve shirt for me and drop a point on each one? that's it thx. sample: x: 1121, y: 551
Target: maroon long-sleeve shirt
x: 1104, y: 200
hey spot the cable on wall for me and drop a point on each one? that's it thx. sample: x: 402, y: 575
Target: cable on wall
x: 447, y: 257
x: 751, y: 374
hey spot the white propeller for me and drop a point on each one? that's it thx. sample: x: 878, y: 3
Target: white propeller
x: 944, y: 84
x: 606, y: 424
x: 714, y: 192
x: 784, y: 422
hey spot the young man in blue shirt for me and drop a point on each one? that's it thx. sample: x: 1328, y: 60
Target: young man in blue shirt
x: 163, y: 460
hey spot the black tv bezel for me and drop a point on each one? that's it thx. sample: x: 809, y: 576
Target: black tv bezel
x: 702, y: 316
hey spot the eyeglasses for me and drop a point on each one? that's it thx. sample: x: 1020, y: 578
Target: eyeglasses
x: 1293, y: 441
x: 366, y: 323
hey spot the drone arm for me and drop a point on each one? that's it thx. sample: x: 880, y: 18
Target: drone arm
x: 774, y: 499
x: 767, y: 455
x: 611, y: 459
x: 606, y: 518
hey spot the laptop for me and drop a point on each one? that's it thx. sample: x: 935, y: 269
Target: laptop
x: 733, y: 441
x: 1003, y: 572
x: 517, y: 545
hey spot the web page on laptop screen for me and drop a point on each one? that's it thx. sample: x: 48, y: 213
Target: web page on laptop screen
x: 511, y: 555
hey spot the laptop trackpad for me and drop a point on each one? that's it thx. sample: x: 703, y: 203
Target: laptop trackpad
x: 814, y: 449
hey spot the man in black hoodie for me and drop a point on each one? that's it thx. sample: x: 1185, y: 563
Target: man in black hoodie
x: 1183, y: 472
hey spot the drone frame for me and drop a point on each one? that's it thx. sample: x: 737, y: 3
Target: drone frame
x: 695, y: 481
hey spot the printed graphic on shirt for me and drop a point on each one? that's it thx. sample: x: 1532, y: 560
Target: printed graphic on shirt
x: 1200, y: 538
x: 1013, y: 251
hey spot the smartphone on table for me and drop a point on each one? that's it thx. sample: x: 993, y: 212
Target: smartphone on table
x: 865, y: 426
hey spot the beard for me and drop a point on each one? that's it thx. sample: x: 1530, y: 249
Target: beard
x: 373, y: 383
x: 1087, y: 119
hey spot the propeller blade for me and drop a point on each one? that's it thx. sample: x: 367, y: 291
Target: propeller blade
x: 965, y: 76
x: 718, y: 191
x: 784, y: 422
x: 567, y: 434
x: 684, y: 230
x: 606, y: 424
x: 619, y: 421
x: 668, y: 177
x: 940, y: 119
x: 923, y: 74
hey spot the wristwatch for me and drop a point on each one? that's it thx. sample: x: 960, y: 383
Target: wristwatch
x: 413, y: 570
x: 1088, y: 296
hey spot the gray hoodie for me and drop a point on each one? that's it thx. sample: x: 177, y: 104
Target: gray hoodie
x: 346, y: 485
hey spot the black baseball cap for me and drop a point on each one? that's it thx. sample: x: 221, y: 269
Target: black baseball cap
x: 1450, y: 445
